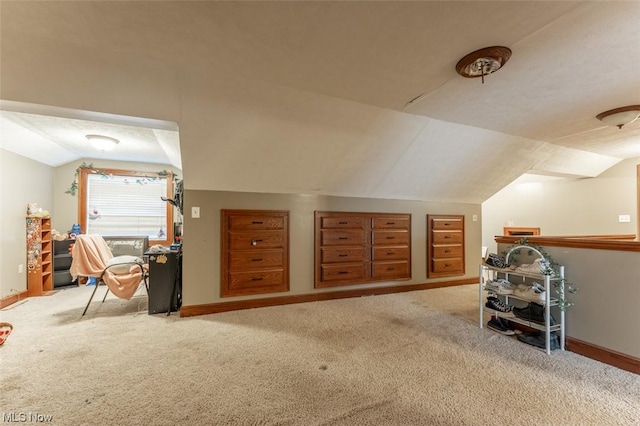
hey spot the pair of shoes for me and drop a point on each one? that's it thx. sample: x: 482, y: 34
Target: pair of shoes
x: 502, y: 326
x: 497, y: 305
x: 500, y: 286
x: 534, y: 312
x: 538, y: 340
x: 538, y: 267
x: 496, y: 261
x: 532, y: 293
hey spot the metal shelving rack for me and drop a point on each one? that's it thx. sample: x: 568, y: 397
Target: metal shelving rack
x: 548, y: 303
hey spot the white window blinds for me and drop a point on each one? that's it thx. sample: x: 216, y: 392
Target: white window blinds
x: 126, y: 206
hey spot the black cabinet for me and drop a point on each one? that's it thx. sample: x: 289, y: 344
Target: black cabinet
x: 165, y: 281
x: 61, y: 263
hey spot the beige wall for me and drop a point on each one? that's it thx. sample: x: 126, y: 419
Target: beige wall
x: 22, y: 181
x: 201, y: 275
x: 566, y: 206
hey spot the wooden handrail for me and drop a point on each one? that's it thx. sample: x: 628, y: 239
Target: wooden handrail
x: 620, y: 242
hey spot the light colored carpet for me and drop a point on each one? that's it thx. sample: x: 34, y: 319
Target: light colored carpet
x: 413, y: 358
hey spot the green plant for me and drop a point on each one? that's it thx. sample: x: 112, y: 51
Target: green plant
x: 141, y: 181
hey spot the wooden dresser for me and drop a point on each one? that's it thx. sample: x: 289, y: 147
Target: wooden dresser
x: 445, y: 245
x: 358, y: 248
x: 254, y: 252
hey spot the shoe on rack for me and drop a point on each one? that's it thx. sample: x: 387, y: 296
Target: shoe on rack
x: 538, y: 267
x: 500, y: 286
x: 506, y: 324
x: 534, y: 312
x: 497, y: 305
x: 498, y: 326
x: 538, y: 340
x: 496, y: 261
x: 531, y: 293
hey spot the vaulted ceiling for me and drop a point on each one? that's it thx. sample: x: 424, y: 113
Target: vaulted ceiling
x: 314, y: 97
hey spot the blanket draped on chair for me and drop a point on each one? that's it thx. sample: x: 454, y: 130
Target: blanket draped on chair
x: 91, y: 255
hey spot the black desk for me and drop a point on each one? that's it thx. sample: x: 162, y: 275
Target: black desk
x: 165, y: 281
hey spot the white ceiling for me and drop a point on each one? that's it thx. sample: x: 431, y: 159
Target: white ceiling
x: 56, y: 136
x: 570, y: 61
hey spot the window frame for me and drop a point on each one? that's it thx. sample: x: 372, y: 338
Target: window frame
x: 83, y: 174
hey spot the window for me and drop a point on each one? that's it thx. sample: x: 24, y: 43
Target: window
x: 126, y: 203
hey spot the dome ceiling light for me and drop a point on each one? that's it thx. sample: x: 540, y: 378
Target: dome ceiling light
x: 103, y: 143
x: 483, y: 62
x: 620, y: 116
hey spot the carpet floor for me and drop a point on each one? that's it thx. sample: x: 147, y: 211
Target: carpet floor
x: 415, y: 358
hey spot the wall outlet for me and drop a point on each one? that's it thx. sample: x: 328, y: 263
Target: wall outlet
x: 474, y: 217
x: 624, y: 218
x: 20, y: 268
x: 195, y: 212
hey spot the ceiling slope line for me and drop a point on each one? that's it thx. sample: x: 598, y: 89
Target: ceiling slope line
x: 572, y: 12
x: 553, y: 141
x: 415, y: 101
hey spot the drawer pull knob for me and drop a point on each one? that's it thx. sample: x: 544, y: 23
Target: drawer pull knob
x: 391, y: 269
x: 343, y: 238
x: 390, y: 238
x: 447, y: 251
x: 257, y: 279
x: 447, y: 265
x: 255, y: 242
x: 343, y: 272
x: 391, y: 223
x: 446, y: 237
x: 255, y: 222
x: 343, y: 255
x: 257, y: 260
x: 447, y: 224
x: 343, y: 223
x: 390, y: 253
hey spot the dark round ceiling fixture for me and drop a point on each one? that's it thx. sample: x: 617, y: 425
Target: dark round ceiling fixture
x: 483, y: 62
x: 620, y: 116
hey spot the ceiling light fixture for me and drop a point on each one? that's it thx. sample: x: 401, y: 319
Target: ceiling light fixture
x: 483, y: 62
x: 103, y: 143
x: 620, y: 116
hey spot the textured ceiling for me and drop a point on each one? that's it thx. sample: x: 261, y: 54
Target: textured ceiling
x: 335, y: 77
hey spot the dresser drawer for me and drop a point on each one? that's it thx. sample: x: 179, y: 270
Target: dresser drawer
x: 337, y: 222
x: 390, y: 237
x: 447, y: 237
x: 258, y: 259
x: 447, y: 265
x: 390, y: 223
x: 447, y: 223
x: 249, y: 222
x: 446, y: 251
x: 243, y: 240
x: 254, y: 252
x: 343, y: 272
x: 257, y: 279
x: 390, y: 253
x: 343, y: 237
x: 334, y: 255
x: 391, y: 269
